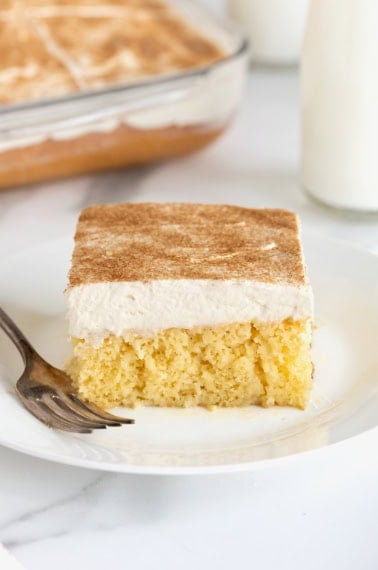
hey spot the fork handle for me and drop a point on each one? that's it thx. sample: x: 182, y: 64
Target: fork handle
x: 17, y: 337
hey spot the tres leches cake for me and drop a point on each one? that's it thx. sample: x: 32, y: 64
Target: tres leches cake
x: 189, y: 305
x: 54, y: 49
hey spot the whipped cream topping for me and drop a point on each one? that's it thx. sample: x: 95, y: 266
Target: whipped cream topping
x: 127, y: 308
x: 199, y: 105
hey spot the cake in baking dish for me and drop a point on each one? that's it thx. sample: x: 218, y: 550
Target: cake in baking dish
x: 57, y: 49
x: 189, y: 305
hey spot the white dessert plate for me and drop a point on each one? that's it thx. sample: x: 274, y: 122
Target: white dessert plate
x: 344, y: 402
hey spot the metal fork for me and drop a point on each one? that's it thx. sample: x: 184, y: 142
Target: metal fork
x: 48, y: 394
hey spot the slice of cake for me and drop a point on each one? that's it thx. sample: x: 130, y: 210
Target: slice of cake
x: 189, y: 305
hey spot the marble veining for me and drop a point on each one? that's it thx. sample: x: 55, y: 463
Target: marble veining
x: 11, y: 529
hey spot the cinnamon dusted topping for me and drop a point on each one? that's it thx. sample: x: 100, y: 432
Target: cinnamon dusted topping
x: 52, y: 47
x: 145, y: 242
x: 27, y: 69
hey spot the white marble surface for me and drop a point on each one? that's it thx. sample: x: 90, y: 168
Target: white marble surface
x: 315, y: 512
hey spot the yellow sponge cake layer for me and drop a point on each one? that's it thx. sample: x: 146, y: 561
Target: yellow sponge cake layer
x: 234, y: 365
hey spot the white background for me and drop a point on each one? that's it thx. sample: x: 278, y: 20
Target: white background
x: 317, y: 511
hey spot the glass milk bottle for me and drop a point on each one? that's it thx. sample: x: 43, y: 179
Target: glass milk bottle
x: 340, y: 104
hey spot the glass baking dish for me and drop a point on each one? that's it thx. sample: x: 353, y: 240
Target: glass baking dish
x: 126, y: 124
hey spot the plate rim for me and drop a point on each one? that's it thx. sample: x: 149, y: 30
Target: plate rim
x: 225, y: 468
x: 218, y: 469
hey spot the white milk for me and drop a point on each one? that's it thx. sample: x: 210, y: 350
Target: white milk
x: 275, y: 28
x: 340, y: 103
